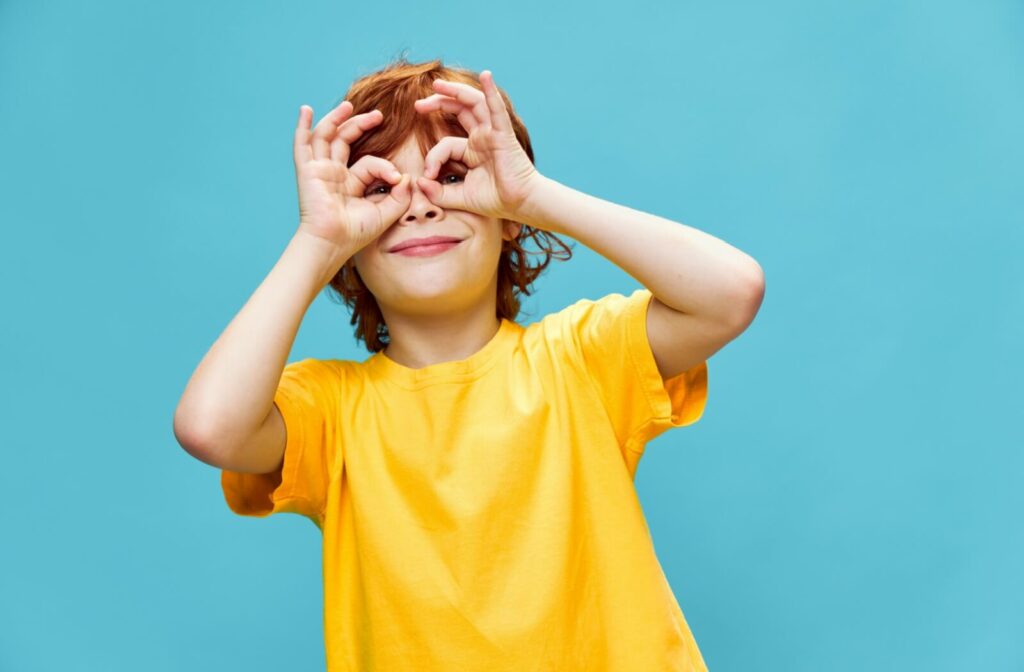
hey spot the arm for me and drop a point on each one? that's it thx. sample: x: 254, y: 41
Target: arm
x: 226, y: 416
x: 706, y: 292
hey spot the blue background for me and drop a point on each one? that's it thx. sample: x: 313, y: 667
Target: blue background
x: 852, y: 498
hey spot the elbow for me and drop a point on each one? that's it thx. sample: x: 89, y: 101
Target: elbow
x: 186, y: 433
x: 755, y: 288
x: 193, y: 435
x: 748, y: 299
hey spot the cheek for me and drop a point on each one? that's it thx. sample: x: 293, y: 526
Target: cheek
x: 356, y: 265
x: 366, y: 267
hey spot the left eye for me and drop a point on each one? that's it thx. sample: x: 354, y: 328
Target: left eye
x: 446, y: 175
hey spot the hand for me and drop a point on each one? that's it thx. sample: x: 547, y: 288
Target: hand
x: 332, y: 196
x: 501, y: 176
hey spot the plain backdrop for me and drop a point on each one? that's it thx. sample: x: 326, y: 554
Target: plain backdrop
x: 852, y: 497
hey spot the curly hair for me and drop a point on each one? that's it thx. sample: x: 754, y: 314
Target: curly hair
x: 393, y: 90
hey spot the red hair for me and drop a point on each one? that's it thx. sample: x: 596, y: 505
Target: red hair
x: 392, y: 90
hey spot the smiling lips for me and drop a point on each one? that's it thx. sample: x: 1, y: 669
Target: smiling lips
x: 422, y: 247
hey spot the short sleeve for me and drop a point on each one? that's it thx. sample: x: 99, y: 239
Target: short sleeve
x: 610, y: 337
x: 308, y: 398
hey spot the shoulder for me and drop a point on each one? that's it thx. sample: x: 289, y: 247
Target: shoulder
x: 313, y: 367
x: 590, y: 316
x: 327, y: 376
x: 589, y: 323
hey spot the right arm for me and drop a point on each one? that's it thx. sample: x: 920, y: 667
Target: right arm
x: 226, y: 416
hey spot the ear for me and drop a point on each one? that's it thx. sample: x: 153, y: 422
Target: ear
x: 511, y: 229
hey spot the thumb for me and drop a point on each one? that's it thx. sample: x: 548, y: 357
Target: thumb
x: 447, y: 196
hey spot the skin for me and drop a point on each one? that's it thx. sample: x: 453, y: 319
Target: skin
x: 705, y: 292
x: 438, y: 308
x: 443, y: 307
x: 698, y: 306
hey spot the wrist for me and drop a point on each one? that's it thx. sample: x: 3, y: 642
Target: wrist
x: 323, y: 257
x: 532, y: 210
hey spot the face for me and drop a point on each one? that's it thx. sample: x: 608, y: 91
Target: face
x: 447, y: 278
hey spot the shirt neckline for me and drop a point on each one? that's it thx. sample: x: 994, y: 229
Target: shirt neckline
x: 381, y: 366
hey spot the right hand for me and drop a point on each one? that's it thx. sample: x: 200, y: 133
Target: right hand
x: 332, y: 196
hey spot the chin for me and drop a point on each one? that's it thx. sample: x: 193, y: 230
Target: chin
x: 427, y: 299
x: 415, y: 292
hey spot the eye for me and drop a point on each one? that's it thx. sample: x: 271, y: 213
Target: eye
x: 374, y: 189
x: 450, y: 173
x: 449, y: 170
x: 453, y: 169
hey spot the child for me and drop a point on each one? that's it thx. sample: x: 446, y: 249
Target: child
x: 472, y: 478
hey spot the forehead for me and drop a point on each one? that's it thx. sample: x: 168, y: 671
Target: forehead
x: 408, y: 153
x: 412, y: 150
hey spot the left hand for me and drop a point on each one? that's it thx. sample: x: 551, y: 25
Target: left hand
x: 500, y: 176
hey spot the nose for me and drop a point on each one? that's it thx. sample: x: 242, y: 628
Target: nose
x: 420, y: 207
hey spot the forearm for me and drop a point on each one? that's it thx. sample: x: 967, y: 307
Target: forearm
x: 685, y: 268
x: 231, y: 392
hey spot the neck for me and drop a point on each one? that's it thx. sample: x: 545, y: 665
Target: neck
x: 420, y: 341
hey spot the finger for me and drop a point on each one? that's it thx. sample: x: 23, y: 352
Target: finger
x: 397, y: 202
x: 448, y: 148
x: 350, y: 131
x: 496, y: 104
x: 302, y: 150
x: 464, y: 93
x: 438, y: 101
x: 470, y: 95
x: 370, y: 171
x: 327, y: 127
x: 444, y: 195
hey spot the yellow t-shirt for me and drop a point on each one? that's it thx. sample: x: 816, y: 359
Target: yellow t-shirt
x: 480, y: 514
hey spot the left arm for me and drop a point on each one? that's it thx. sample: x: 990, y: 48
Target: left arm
x: 706, y: 292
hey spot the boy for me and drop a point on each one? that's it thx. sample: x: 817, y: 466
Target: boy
x: 473, y: 478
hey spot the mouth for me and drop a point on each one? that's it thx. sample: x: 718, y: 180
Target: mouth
x: 428, y: 249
